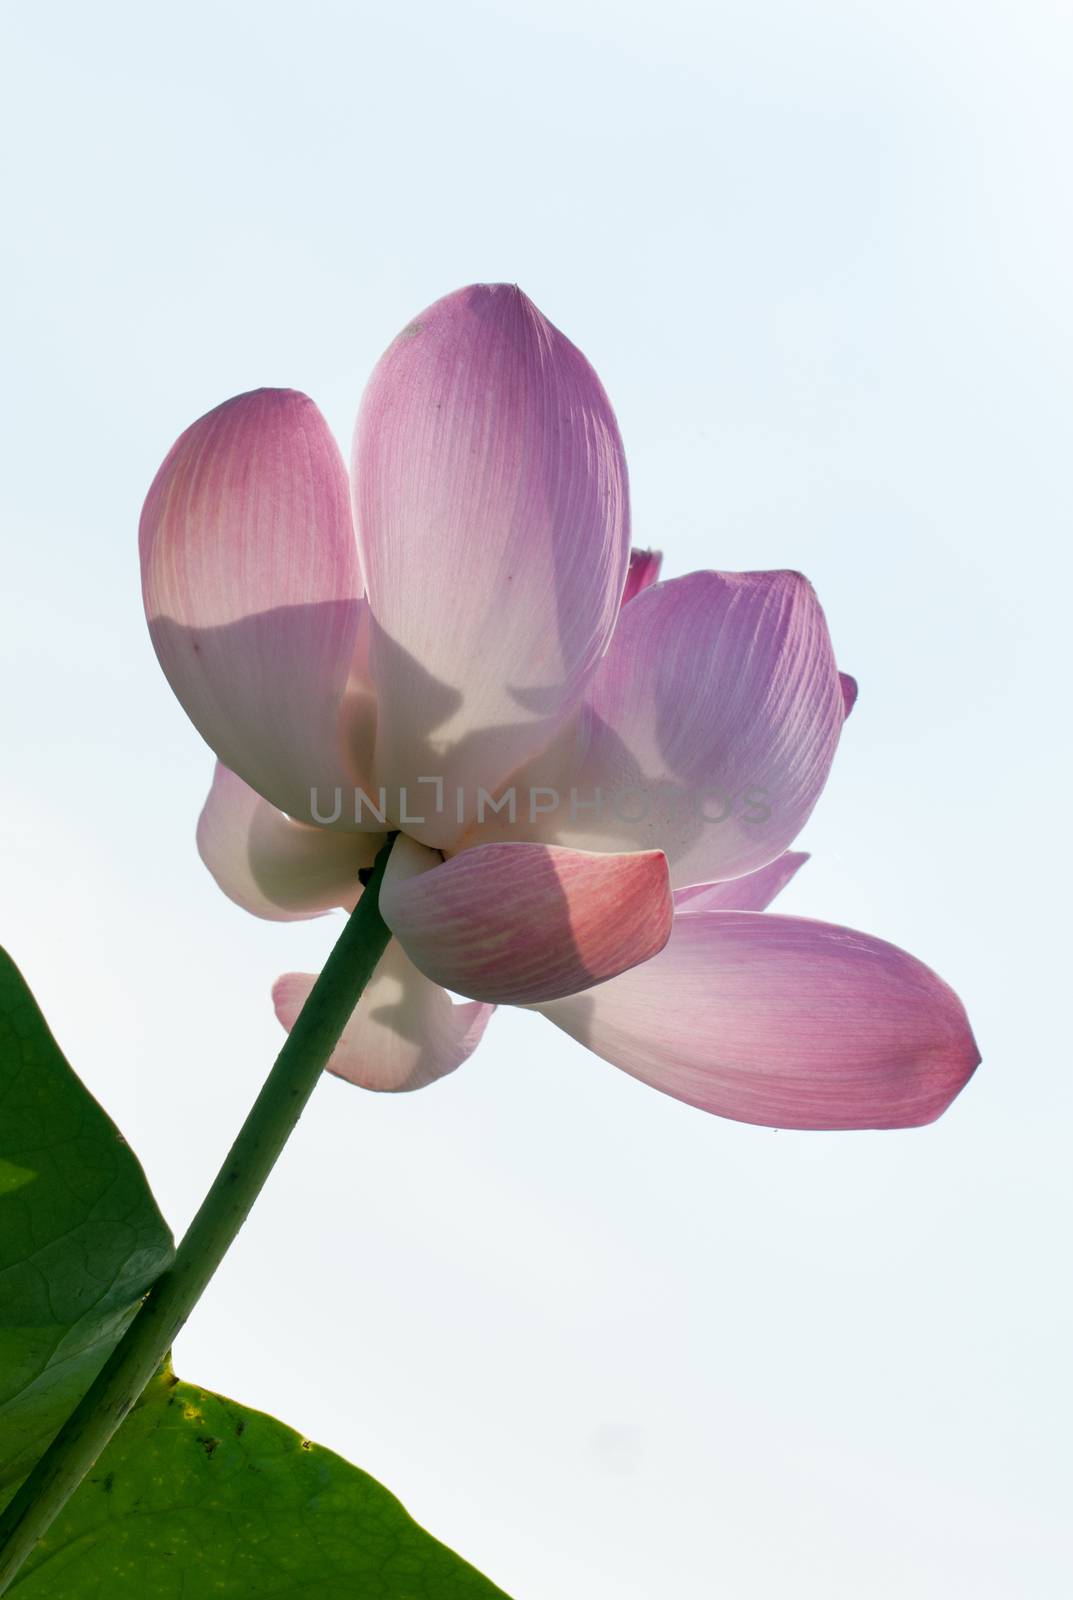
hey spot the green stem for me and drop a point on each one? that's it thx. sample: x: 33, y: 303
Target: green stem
x: 225, y: 1208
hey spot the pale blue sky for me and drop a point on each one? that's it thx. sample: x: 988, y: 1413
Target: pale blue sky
x: 820, y: 254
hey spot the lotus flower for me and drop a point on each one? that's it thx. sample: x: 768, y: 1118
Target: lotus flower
x: 594, y: 776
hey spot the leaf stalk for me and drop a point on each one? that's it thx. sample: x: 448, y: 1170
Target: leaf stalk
x: 270, y: 1123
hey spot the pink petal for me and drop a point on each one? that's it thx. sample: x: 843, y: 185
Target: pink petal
x: 276, y: 868
x: 405, y: 1032
x: 849, y: 691
x: 251, y: 584
x: 783, y: 1022
x: 514, y: 923
x: 491, y: 504
x: 708, y: 731
x: 754, y: 892
x: 644, y: 571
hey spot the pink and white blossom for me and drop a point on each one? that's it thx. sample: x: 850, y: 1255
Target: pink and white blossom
x: 595, y: 775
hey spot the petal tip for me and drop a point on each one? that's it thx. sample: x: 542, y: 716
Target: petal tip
x: 850, y: 691
x: 642, y: 573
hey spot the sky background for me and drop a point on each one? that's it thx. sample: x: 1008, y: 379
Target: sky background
x: 820, y: 254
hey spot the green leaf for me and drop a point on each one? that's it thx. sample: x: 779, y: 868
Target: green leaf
x: 199, y: 1496
x: 81, y: 1238
x: 195, y: 1495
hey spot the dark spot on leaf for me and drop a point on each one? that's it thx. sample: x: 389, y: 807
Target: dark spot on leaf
x: 307, y: 1444
x: 209, y: 1445
x: 240, y: 1427
x: 107, y: 1482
